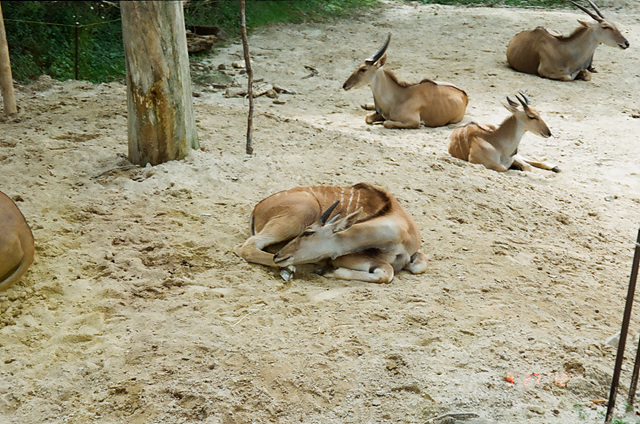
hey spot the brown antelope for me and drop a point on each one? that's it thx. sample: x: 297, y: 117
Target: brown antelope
x: 402, y: 105
x: 369, y: 237
x: 564, y: 58
x: 16, y: 243
x: 497, y: 147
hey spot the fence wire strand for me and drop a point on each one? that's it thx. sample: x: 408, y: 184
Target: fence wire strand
x: 64, y: 25
x: 76, y: 26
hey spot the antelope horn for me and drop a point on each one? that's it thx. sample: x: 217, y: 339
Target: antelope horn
x: 373, y: 59
x: 327, y: 213
x: 587, y: 11
x: 334, y: 219
x: 596, y: 9
x: 524, y: 97
x: 523, y: 100
x: 511, y: 102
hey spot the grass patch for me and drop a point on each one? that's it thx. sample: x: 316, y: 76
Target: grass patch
x: 226, y: 13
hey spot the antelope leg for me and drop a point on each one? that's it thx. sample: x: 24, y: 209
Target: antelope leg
x: 363, y: 267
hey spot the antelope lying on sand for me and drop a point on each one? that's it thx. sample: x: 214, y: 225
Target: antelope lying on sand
x: 369, y: 237
x: 564, y: 58
x: 497, y: 147
x: 16, y: 243
x: 402, y: 105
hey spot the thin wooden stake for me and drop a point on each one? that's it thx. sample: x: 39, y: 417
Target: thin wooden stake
x: 636, y: 365
x: 77, y: 34
x: 247, y: 61
x: 623, y: 333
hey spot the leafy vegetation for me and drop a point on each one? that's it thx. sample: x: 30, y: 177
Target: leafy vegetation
x: 42, y: 39
x: 42, y: 34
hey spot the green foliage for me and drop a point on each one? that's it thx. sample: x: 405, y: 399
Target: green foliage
x: 619, y: 421
x: 41, y: 37
x: 580, y: 410
x: 41, y: 34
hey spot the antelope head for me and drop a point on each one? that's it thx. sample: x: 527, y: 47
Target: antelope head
x: 604, y: 30
x: 318, y: 241
x: 528, y: 115
x: 364, y: 73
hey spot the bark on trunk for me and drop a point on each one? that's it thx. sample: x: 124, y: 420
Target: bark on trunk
x: 6, y: 79
x: 160, y: 109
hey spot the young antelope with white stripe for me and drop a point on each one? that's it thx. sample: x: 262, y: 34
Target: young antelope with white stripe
x: 356, y: 233
x: 497, y: 147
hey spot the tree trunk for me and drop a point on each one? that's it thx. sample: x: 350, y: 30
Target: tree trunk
x: 6, y: 80
x: 160, y: 108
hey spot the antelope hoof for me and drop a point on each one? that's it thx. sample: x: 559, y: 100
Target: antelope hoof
x: 418, y: 263
x: 584, y: 75
x: 287, y: 273
x: 323, y: 270
x: 374, y: 118
x: 555, y: 169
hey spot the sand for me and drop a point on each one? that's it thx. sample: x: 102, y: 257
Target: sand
x: 136, y: 309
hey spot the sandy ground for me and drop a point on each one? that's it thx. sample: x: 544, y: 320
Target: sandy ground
x: 136, y: 309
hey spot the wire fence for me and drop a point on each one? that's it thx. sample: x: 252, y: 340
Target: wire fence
x: 77, y: 26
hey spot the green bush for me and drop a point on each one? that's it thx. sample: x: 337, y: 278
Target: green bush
x: 42, y: 36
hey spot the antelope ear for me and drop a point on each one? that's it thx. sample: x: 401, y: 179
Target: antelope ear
x: 510, y: 108
x: 380, y: 63
x: 583, y: 23
x: 347, y: 221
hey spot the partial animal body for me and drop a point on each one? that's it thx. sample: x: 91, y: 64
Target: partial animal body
x: 16, y: 243
x: 557, y: 57
x: 497, y: 147
x: 356, y: 233
x: 402, y: 105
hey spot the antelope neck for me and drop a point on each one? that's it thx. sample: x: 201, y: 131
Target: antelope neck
x: 507, y: 136
x: 580, y: 45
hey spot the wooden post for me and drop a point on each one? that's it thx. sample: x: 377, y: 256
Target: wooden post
x: 77, y: 39
x: 6, y: 79
x: 160, y: 116
x: 247, y: 62
x: 624, y: 331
